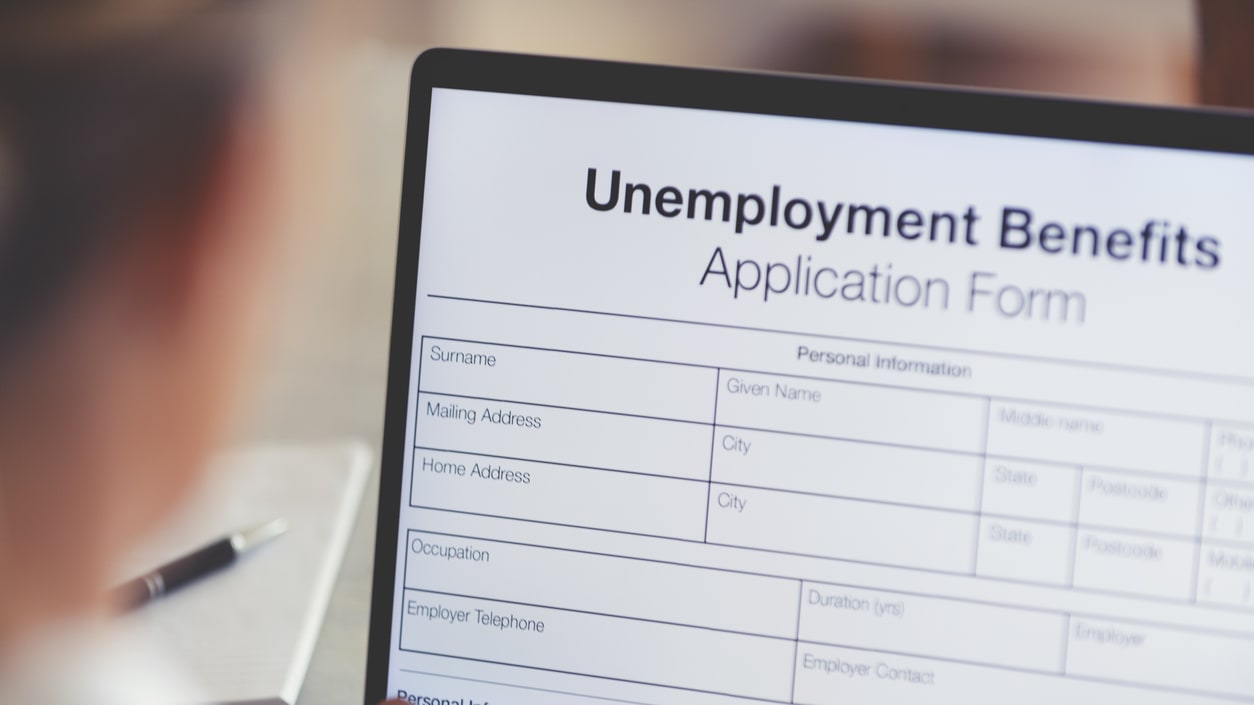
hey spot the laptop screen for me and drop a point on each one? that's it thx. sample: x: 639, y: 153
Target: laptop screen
x: 706, y: 406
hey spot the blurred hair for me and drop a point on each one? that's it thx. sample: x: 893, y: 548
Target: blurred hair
x: 112, y: 113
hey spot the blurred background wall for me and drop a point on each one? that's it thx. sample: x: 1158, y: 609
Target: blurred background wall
x: 1122, y: 49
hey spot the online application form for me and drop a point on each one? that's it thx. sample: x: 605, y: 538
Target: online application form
x: 720, y: 408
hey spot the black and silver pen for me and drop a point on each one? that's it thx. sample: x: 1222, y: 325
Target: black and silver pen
x: 195, y: 565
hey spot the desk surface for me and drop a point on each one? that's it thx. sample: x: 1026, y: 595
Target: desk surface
x: 337, y: 671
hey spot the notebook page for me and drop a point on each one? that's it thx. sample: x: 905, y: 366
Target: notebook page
x: 246, y: 634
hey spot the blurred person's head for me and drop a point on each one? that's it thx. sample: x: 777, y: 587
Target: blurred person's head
x: 138, y: 175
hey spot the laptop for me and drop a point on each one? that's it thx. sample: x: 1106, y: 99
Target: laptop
x: 714, y: 388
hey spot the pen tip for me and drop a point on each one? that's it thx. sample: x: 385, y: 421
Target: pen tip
x: 252, y: 537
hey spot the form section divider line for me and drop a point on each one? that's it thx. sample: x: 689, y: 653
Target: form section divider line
x: 1071, y: 524
x: 1141, y: 413
x: 1201, y: 512
x: 970, y: 453
x: 709, y: 484
x: 1052, y: 674
x: 964, y: 573
x: 561, y: 407
x: 593, y: 613
x: 1075, y: 528
x: 1066, y: 645
x: 573, y: 466
x: 979, y: 492
x: 534, y: 688
x: 1094, y: 364
x: 595, y: 676
x: 1090, y: 679
x: 827, y: 583
x: 796, y: 644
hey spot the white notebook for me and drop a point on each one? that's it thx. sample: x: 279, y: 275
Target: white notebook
x: 246, y: 634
